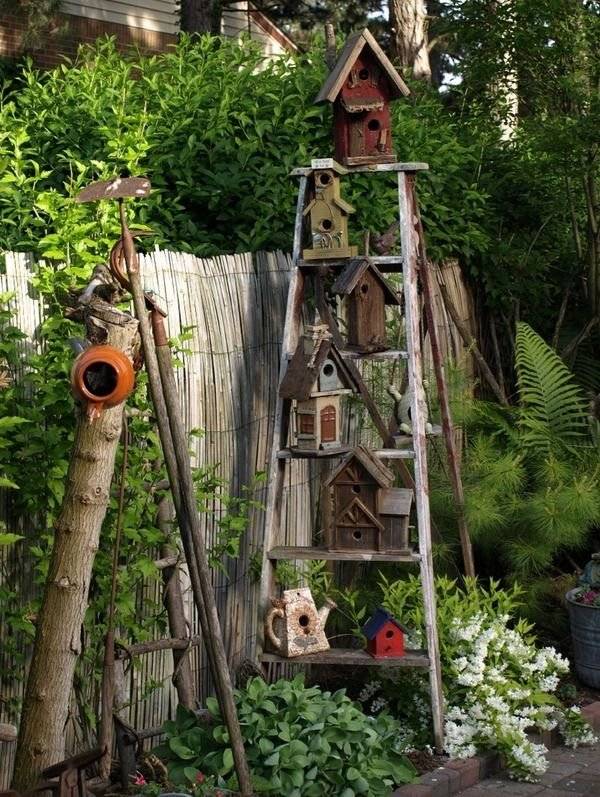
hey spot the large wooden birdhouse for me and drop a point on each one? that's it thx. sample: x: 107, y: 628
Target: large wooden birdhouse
x: 328, y: 216
x: 367, y: 293
x: 354, y: 494
x: 385, y: 635
x: 365, y: 512
x: 315, y: 380
x: 361, y: 86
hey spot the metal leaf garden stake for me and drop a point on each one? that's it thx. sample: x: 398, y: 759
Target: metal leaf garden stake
x: 175, y: 449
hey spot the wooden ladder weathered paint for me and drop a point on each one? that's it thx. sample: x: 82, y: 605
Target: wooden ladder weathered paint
x: 273, y: 550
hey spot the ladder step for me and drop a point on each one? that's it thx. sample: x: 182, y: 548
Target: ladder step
x: 407, y: 439
x: 300, y: 453
x: 352, y: 658
x: 388, y: 354
x: 394, y: 453
x: 290, y: 552
x: 385, y: 263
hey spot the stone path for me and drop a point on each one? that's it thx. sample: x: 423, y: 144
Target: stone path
x: 571, y: 773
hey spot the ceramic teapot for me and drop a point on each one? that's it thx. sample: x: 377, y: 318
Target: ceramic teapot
x: 294, y: 626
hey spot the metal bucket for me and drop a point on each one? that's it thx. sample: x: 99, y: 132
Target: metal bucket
x: 585, y: 633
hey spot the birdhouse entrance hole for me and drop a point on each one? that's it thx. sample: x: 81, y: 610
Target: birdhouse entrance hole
x: 373, y: 124
x: 100, y: 379
x: 357, y: 535
x: 364, y: 74
x: 328, y: 369
x: 364, y: 288
x: 324, y: 178
x: 303, y: 621
x: 326, y: 224
x: 389, y: 633
x: 356, y: 488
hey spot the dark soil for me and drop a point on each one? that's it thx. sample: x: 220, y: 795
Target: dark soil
x: 425, y: 761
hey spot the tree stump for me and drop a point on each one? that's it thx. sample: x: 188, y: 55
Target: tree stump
x: 57, y: 644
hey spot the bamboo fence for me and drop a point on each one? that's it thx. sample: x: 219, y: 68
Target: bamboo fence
x: 235, y: 307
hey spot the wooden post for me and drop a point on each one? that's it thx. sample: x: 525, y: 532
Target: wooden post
x: 58, y: 633
x: 448, y: 431
x: 173, y: 600
x: 175, y: 449
x: 330, y: 46
x: 281, y: 420
x: 410, y: 243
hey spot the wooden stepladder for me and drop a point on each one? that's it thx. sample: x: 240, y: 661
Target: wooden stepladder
x: 394, y: 457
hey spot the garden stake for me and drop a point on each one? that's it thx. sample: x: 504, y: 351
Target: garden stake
x: 182, y: 485
x: 453, y: 460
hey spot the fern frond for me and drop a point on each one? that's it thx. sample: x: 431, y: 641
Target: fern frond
x: 553, y: 406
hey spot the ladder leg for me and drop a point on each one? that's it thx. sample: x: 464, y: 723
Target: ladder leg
x: 277, y: 466
x: 410, y: 242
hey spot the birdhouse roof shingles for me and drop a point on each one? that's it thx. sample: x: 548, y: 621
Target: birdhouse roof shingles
x: 351, y: 275
x: 299, y: 379
x: 380, y: 473
x: 346, y: 60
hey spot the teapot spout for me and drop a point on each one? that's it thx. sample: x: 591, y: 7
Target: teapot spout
x: 324, y: 611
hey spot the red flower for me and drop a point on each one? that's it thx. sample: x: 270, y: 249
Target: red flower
x: 139, y: 779
x: 200, y: 777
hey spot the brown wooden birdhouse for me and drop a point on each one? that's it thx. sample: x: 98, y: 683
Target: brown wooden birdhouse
x: 361, y: 86
x: 366, y: 513
x: 328, y: 215
x: 367, y: 293
x: 315, y: 380
x: 354, y: 494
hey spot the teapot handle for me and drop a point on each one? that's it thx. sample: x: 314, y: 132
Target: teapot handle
x: 273, y: 613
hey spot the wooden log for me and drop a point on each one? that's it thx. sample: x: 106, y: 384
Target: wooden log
x: 58, y: 633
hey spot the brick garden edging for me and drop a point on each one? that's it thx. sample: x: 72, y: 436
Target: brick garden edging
x: 461, y: 773
x: 452, y: 778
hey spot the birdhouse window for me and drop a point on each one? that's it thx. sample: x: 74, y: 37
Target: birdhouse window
x: 373, y: 124
x: 364, y: 74
x: 307, y: 424
x: 328, y: 424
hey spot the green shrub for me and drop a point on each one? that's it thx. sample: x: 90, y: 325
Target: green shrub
x: 300, y: 741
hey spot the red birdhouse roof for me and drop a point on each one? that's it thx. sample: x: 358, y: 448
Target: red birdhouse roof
x: 347, y: 58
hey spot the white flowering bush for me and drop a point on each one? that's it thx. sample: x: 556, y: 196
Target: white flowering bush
x: 498, y: 684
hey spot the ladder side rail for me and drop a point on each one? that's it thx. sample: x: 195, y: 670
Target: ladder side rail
x: 291, y: 330
x: 410, y: 243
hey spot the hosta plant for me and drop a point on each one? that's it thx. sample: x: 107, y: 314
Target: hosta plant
x: 300, y: 741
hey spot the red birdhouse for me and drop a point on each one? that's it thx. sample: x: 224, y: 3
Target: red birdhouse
x: 385, y: 635
x: 361, y: 86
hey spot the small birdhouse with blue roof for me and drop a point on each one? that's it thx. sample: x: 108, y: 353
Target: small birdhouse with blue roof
x: 385, y: 635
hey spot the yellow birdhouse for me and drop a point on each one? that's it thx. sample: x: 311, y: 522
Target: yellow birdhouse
x: 328, y: 214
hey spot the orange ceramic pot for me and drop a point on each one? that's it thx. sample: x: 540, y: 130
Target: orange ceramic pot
x: 102, y: 377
